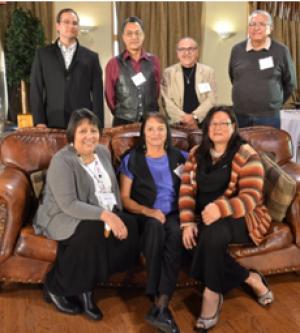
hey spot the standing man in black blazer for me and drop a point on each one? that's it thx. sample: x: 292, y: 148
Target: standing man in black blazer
x: 65, y: 76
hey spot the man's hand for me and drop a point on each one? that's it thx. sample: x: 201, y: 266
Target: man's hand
x: 189, y: 121
x: 41, y: 125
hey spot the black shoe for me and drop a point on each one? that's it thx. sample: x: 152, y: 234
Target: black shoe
x: 162, y: 319
x: 62, y: 303
x: 89, y: 306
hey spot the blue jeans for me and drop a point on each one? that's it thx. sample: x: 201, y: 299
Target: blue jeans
x: 247, y: 121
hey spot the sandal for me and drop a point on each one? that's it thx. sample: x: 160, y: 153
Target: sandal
x: 265, y: 299
x: 203, y: 324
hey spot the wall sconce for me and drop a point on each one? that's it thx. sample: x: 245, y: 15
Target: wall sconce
x: 84, y: 29
x: 87, y: 24
x: 224, y: 29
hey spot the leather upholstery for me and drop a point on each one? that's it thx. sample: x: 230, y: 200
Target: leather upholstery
x: 26, y: 257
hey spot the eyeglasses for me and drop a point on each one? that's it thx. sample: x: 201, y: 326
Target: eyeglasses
x: 66, y: 22
x: 186, y: 49
x: 133, y: 33
x: 257, y: 24
x: 222, y: 124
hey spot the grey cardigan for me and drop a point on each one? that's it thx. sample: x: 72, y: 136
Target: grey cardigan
x: 69, y: 194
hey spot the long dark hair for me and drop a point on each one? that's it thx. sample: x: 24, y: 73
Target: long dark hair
x: 141, y: 145
x: 235, y: 141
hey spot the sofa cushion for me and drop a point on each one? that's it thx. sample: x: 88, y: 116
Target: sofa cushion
x: 280, y: 188
x: 38, y: 179
x: 279, y: 237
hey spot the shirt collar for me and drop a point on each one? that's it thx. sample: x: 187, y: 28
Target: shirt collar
x: 249, y: 46
x: 64, y: 48
x: 144, y: 55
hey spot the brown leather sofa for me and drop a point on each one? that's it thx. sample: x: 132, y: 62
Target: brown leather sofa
x: 25, y: 257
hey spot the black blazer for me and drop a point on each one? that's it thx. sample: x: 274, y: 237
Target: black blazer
x: 56, y: 92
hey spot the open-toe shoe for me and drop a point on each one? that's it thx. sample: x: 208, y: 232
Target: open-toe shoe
x: 203, y: 324
x: 268, y: 297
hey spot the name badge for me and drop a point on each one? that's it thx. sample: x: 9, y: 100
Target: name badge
x: 138, y: 79
x: 204, y: 87
x: 179, y: 170
x: 108, y: 200
x: 266, y: 63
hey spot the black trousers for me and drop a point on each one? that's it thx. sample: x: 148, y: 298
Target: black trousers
x: 120, y: 122
x: 161, y: 245
x: 212, y: 264
x: 88, y: 258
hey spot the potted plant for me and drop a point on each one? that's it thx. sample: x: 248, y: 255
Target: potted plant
x: 23, y: 36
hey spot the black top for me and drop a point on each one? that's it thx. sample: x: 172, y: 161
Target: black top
x: 190, y: 99
x: 212, y: 179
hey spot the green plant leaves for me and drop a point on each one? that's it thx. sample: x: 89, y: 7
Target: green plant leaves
x: 23, y: 36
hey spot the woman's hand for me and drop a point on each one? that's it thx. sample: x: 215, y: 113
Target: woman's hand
x: 189, y: 236
x: 117, y: 226
x: 210, y: 214
x: 155, y: 213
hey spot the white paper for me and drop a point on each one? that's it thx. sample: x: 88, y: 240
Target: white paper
x: 108, y: 200
x: 138, y: 79
x: 266, y: 63
x: 204, y: 87
x: 179, y: 170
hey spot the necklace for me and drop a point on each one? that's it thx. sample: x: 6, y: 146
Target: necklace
x: 188, y: 77
x: 94, y: 169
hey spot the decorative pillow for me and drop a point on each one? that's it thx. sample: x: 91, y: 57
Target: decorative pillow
x: 279, y: 190
x: 38, y: 179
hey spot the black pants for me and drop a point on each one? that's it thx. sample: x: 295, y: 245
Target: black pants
x: 88, y: 258
x: 212, y: 264
x: 161, y: 245
x: 120, y: 122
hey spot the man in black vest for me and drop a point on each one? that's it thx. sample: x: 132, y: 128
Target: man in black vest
x: 132, y: 78
x: 65, y: 76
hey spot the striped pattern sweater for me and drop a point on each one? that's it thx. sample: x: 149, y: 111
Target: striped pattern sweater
x: 242, y: 198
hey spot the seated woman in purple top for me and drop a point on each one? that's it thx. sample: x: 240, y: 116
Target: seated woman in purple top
x: 150, y: 179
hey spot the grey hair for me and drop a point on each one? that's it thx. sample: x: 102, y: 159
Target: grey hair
x: 261, y: 12
x: 186, y: 37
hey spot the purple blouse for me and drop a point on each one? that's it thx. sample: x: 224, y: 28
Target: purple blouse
x: 166, y: 198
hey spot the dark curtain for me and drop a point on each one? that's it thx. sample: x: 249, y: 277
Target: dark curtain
x: 286, y: 29
x: 165, y: 23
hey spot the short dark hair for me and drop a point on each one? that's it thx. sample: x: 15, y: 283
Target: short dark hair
x: 76, y: 118
x: 65, y: 10
x: 161, y: 119
x: 132, y: 19
x: 206, y: 144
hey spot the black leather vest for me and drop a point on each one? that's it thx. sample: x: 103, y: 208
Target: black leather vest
x: 143, y: 189
x: 132, y: 101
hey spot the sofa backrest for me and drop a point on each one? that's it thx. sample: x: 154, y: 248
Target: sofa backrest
x: 32, y: 149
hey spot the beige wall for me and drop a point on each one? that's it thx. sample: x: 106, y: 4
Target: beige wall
x: 216, y: 51
x: 98, y: 40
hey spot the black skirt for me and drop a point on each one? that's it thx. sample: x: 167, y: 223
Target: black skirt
x: 87, y: 258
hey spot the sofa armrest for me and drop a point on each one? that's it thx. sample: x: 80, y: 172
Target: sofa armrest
x: 293, y: 213
x: 14, y: 195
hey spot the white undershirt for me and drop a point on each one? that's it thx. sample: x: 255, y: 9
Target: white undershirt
x: 67, y: 52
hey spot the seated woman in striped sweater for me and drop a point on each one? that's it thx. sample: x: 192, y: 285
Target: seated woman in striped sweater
x: 220, y: 203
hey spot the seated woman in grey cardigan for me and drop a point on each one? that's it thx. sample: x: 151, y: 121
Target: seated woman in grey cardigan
x: 80, y: 206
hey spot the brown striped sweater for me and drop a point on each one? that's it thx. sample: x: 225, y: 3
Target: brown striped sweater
x: 242, y: 198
